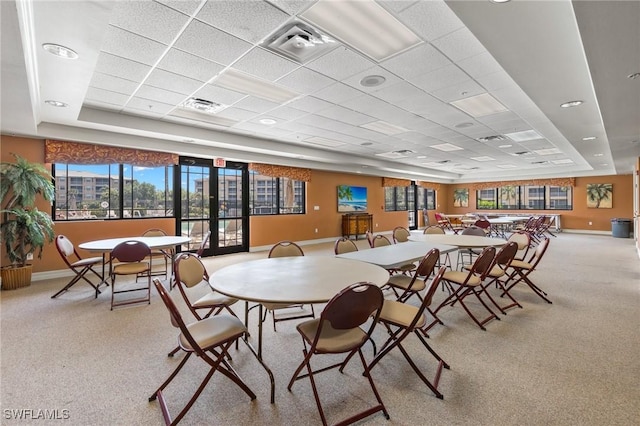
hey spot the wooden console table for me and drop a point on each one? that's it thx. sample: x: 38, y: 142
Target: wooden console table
x: 356, y: 224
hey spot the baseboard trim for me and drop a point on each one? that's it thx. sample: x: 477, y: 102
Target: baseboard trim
x: 586, y: 231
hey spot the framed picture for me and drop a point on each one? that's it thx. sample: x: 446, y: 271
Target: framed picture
x: 599, y: 195
x: 461, y: 197
x: 352, y: 198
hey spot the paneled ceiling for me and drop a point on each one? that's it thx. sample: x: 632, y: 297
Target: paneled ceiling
x: 309, y: 83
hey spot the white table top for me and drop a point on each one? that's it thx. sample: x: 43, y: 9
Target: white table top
x: 298, y: 279
x: 395, y: 255
x: 152, y: 242
x: 471, y: 241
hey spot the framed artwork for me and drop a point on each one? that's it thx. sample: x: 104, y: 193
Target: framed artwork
x: 599, y: 195
x: 461, y: 197
x: 352, y: 198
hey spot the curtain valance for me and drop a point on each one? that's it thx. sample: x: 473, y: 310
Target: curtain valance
x: 85, y: 153
x: 531, y: 182
x: 389, y: 182
x: 295, y: 173
x: 430, y: 185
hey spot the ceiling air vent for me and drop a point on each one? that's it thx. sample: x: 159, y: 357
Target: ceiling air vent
x: 300, y: 42
x: 396, y: 154
x: 203, y: 105
x: 521, y: 153
x: 491, y: 138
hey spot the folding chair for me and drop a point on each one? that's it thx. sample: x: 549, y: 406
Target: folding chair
x: 209, y: 339
x: 165, y: 254
x: 401, y: 235
x: 80, y: 267
x: 131, y: 257
x: 520, y: 270
x: 339, y: 331
x: 402, y: 319
x: 344, y: 245
x: 463, y: 283
x: 501, y: 263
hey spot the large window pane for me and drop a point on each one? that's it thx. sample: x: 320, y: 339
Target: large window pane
x: 559, y: 198
x: 486, y: 199
x: 272, y: 195
x: 509, y: 197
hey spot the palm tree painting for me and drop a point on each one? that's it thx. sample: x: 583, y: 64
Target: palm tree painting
x: 461, y: 197
x: 352, y: 198
x: 600, y: 195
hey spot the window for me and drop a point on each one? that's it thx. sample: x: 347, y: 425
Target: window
x: 395, y: 198
x: 426, y: 198
x: 526, y: 197
x: 112, y: 191
x: 273, y: 195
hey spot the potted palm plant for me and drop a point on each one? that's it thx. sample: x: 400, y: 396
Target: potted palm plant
x: 24, y: 229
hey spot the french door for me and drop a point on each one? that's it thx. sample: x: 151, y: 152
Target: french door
x: 216, y: 199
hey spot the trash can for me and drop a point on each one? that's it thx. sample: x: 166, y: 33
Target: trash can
x: 620, y: 227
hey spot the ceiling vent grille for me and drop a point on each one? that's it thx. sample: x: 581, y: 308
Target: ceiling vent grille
x: 300, y: 42
x: 491, y: 138
x: 203, y: 105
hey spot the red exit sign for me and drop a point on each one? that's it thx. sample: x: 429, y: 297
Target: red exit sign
x: 219, y: 162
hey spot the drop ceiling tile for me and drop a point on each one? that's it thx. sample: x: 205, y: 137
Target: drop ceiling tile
x: 459, y: 91
x: 479, y: 65
x: 430, y: 19
x: 248, y: 20
x: 304, y: 80
x: 395, y: 5
x: 160, y: 95
x: 421, y: 59
x: 113, y: 98
x: 160, y: 23
x: 141, y: 112
x: 178, y: 83
x: 420, y: 103
x: 340, y: 63
x: 496, y: 80
x: 440, y: 78
x: 458, y: 45
x: 287, y: 113
x: 309, y: 104
x: 345, y: 115
x: 337, y: 93
x: 187, y: 7
x: 113, y: 84
x: 219, y: 95
x: 183, y: 63
x: 130, y: 46
x: 93, y: 103
x: 265, y: 64
x: 210, y: 43
x: 148, y: 105
x: 292, y: 7
x: 237, y: 114
x: 255, y: 104
x: 121, y: 67
x: 393, y: 93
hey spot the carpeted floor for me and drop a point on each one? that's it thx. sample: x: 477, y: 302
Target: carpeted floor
x: 573, y: 362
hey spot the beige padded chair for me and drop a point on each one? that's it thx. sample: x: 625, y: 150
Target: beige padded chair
x: 344, y: 245
x: 498, y: 271
x: 130, y: 258
x: 80, y: 267
x: 401, y: 320
x: 286, y: 249
x: 522, y: 239
x: 339, y: 330
x: 464, y: 283
x: 437, y: 230
x: 401, y: 235
x: 520, y: 270
x: 209, y: 339
x: 166, y: 255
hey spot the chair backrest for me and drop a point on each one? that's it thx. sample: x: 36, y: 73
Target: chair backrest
x: 482, y: 223
x: 538, y: 253
x: 433, y: 229
x: 523, y: 240
x: 353, y: 306
x: 285, y: 249
x: 66, y: 249
x: 474, y: 230
x: 189, y: 270
x: 428, y: 297
x: 380, y: 241
x: 505, y: 255
x: 344, y: 245
x: 203, y: 244
x: 482, y: 265
x: 428, y: 263
x: 130, y: 251
x: 154, y: 232
x: 401, y: 234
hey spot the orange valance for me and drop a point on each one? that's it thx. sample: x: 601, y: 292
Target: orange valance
x: 295, y: 173
x: 85, y: 153
x: 430, y: 185
x: 531, y: 182
x: 390, y: 182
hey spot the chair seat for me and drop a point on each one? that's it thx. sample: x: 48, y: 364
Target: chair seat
x: 214, y: 299
x: 404, y: 281
x: 213, y: 330
x: 521, y: 264
x: 460, y: 276
x: 400, y: 314
x: 87, y: 261
x: 131, y: 268
x: 332, y: 340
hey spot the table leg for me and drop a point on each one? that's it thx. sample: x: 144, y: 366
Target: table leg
x: 258, y: 353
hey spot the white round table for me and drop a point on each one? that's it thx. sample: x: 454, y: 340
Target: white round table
x: 109, y: 244
x: 460, y: 241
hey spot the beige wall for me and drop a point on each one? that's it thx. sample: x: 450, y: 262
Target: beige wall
x: 321, y: 192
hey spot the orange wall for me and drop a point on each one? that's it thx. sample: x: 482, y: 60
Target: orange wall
x: 321, y: 192
x: 580, y: 216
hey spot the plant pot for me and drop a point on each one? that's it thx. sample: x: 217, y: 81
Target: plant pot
x: 15, y: 277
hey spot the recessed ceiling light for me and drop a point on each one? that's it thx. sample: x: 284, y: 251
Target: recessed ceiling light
x: 446, y: 147
x: 483, y: 158
x: 563, y: 161
x: 571, y: 104
x: 598, y: 155
x: 254, y: 86
x: 420, y: 157
x: 505, y: 146
x: 523, y: 136
x: 56, y: 103
x: 507, y: 166
x: 384, y: 128
x: 499, y: 1
x: 268, y: 121
x: 61, y: 51
x: 372, y: 80
x: 479, y: 105
x: 547, y: 151
x: 365, y: 25
x: 589, y: 138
